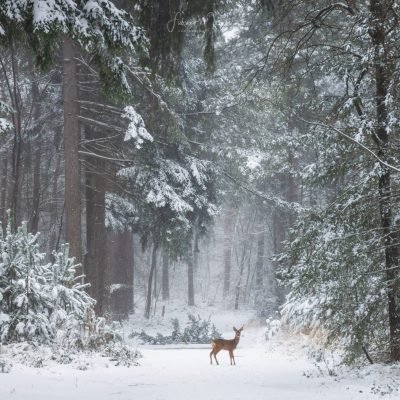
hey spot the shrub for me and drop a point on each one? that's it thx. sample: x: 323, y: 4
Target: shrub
x: 197, y: 331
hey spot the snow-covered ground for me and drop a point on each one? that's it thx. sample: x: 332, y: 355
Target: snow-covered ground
x: 278, y: 369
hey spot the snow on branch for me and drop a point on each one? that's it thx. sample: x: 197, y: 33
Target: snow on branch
x: 136, y: 128
x: 5, y: 125
x: 340, y: 132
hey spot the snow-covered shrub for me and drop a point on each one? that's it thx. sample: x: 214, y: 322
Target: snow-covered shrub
x: 25, y: 303
x: 106, y: 338
x: 122, y: 354
x: 324, y: 361
x: 46, y: 303
x: 104, y: 334
x: 37, y: 298
x: 5, y: 366
x: 30, y: 354
x: 272, y: 328
x: 198, y: 330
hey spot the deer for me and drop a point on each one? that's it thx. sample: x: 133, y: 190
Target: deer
x: 223, y: 344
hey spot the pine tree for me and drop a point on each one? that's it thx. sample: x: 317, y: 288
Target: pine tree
x: 37, y: 298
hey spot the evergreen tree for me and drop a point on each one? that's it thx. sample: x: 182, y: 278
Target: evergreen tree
x: 37, y: 298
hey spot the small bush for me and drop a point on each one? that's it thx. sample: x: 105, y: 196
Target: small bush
x: 5, y: 367
x: 197, y: 331
x: 272, y: 328
x: 122, y: 355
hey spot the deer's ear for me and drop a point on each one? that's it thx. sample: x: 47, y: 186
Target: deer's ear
x: 235, y: 329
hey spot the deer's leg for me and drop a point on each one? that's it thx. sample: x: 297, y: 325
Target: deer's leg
x: 212, y: 352
x: 215, y: 356
x: 233, y: 358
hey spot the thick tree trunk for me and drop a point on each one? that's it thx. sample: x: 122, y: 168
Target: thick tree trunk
x: 71, y: 147
x: 377, y: 31
x: 121, y: 273
x: 56, y: 225
x: 196, y: 250
x: 13, y: 196
x: 95, y: 263
x: 150, y: 281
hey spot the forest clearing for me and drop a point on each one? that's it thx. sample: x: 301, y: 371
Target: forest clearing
x: 281, y: 369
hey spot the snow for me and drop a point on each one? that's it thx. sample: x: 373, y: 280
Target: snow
x: 277, y: 369
x: 231, y: 33
x: 5, y: 125
x: 136, y: 128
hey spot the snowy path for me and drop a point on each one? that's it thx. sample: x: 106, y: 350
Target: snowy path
x: 182, y: 374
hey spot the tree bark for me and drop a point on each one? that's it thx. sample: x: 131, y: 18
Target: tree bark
x: 56, y: 225
x: 190, y: 278
x: 16, y: 154
x: 229, y: 229
x: 3, y: 193
x: 377, y: 33
x: 150, y: 281
x: 196, y: 250
x: 121, y: 273
x: 260, y: 258
x: 37, y: 162
x: 95, y: 263
x: 165, y: 275
x: 279, y: 236
x: 73, y: 233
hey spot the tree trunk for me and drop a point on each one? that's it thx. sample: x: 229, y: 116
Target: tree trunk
x: 377, y: 31
x: 292, y: 182
x: 36, y: 187
x: 37, y: 162
x: 55, y: 224
x: 3, y: 193
x: 14, y: 187
x: 95, y: 263
x: 196, y: 250
x: 190, y: 278
x: 279, y: 236
x: 121, y: 275
x: 239, y: 284
x: 150, y: 282
x: 260, y: 258
x: 71, y: 147
x: 229, y: 229
x: 165, y: 275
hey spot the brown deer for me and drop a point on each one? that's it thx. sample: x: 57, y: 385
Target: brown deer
x: 223, y: 344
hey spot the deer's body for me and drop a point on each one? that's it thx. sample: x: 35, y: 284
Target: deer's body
x: 228, y: 345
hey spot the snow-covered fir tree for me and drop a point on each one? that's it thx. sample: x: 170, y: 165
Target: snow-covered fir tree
x: 38, y: 298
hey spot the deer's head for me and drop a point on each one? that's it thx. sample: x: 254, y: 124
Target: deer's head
x: 238, y: 332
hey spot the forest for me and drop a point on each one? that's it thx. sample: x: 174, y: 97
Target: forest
x: 198, y: 159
